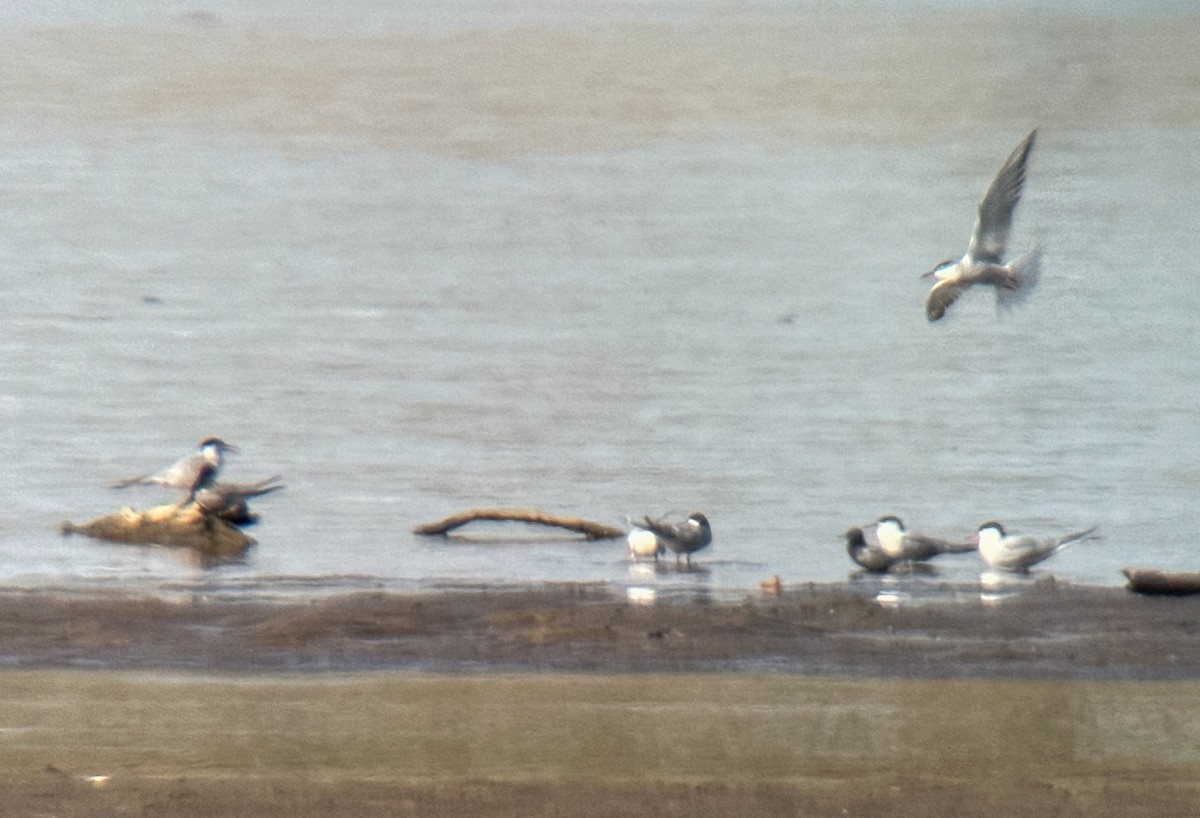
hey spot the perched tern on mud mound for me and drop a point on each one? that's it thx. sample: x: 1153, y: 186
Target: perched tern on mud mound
x: 188, y: 474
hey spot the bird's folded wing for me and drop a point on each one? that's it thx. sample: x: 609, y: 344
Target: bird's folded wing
x: 936, y: 545
x: 659, y: 527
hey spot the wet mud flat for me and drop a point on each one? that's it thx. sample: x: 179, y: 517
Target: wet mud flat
x: 571, y: 700
x: 1044, y: 630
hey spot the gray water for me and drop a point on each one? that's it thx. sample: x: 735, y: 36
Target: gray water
x: 630, y: 258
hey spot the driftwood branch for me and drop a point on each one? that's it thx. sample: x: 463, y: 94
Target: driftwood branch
x: 591, y: 530
x: 1153, y: 581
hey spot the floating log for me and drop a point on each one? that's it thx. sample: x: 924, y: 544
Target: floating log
x: 187, y: 527
x: 1162, y: 583
x: 591, y: 530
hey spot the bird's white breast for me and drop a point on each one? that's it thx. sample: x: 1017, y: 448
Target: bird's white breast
x: 891, y: 538
x: 643, y: 543
x: 991, y: 545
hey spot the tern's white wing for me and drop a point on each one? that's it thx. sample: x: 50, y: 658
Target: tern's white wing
x: 996, y: 208
x: 183, y: 474
x: 1024, y: 551
x: 179, y: 475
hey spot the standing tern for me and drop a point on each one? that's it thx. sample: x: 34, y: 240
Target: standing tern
x: 685, y: 538
x: 984, y: 261
x: 188, y: 474
x: 1018, y: 552
x: 884, y: 543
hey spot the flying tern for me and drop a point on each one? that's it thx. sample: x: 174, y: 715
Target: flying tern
x: 984, y: 261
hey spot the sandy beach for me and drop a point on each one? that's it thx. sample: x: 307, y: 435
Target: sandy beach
x: 571, y: 700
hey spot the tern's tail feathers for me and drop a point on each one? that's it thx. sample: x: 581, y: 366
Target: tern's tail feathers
x: 1023, y: 277
x: 247, y: 490
x: 648, y: 524
x: 272, y: 483
x: 140, y: 480
x: 955, y: 546
x: 1079, y: 536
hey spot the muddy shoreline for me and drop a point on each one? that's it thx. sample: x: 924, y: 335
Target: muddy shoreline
x: 1047, y: 630
x: 828, y: 700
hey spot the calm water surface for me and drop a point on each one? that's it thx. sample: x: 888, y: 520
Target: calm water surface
x: 658, y: 258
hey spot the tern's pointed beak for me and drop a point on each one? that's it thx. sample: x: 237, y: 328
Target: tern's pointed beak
x: 939, y: 266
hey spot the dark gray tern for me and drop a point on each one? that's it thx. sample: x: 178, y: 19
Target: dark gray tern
x: 681, y: 538
x: 230, y: 501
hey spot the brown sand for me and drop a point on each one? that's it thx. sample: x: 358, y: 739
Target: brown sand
x: 1068, y: 701
x: 594, y: 744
